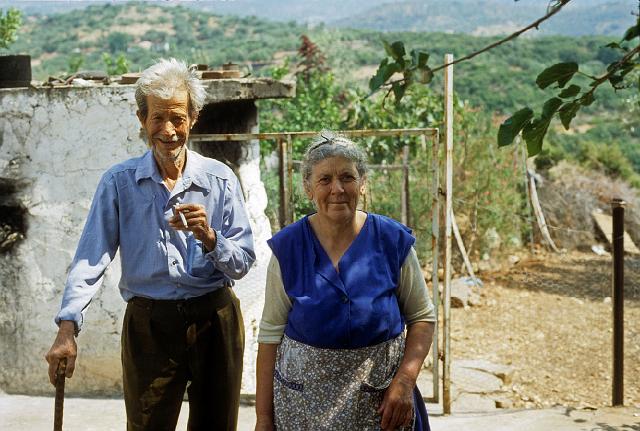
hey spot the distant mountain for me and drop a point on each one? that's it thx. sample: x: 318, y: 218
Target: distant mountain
x: 44, y: 7
x: 492, y: 17
x: 60, y: 44
x: 301, y: 11
x: 476, y: 17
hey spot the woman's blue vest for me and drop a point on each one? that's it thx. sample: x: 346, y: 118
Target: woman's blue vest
x: 354, y: 308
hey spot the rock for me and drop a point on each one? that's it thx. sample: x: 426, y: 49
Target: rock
x: 460, y: 293
x: 504, y: 403
x: 466, y: 402
x: 514, y: 241
x: 472, y: 380
x: 474, y: 299
x: 492, y: 238
x: 484, y: 266
x: 503, y: 372
x: 586, y: 406
x: 426, y: 274
x: 599, y: 250
x: 513, y: 259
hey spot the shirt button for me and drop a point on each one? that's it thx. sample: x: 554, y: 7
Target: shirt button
x: 345, y: 299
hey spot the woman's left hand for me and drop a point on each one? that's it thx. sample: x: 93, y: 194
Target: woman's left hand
x: 397, y: 406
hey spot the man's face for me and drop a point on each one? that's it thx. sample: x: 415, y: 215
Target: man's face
x: 167, y: 124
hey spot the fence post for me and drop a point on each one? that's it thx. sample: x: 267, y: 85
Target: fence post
x: 448, y: 122
x: 282, y: 175
x: 435, y: 250
x: 290, y: 207
x: 405, y: 217
x: 617, y: 206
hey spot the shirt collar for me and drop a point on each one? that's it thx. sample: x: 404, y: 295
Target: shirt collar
x: 147, y: 168
x: 193, y: 172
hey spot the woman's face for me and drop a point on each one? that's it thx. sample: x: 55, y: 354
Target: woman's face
x: 335, y: 188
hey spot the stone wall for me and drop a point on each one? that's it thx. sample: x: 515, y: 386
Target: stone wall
x: 54, y: 146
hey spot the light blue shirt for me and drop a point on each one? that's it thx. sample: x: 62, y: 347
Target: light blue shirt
x: 131, y: 210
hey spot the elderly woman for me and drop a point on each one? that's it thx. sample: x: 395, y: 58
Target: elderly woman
x: 341, y: 286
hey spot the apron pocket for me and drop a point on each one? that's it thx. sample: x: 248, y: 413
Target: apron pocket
x: 288, y: 404
x: 369, y: 400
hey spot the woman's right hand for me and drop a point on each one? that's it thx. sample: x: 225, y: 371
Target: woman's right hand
x: 264, y: 423
x: 265, y: 366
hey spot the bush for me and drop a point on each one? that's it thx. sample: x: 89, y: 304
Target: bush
x: 118, y: 42
x: 10, y: 22
x: 570, y: 195
x: 486, y: 179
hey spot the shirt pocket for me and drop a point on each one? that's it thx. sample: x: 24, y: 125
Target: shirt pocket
x: 197, y: 264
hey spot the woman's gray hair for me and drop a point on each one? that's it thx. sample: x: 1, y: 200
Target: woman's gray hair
x: 166, y: 77
x: 328, y: 144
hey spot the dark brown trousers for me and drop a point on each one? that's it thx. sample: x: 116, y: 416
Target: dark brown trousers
x: 169, y: 346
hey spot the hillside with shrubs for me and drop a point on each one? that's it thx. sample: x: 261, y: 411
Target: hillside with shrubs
x: 579, y: 170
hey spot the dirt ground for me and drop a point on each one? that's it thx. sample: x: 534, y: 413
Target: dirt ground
x: 550, y: 317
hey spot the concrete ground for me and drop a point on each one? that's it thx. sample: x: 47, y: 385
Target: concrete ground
x: 26, y: 413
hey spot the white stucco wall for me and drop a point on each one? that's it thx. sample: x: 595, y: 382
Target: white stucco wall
x: 57, y: 143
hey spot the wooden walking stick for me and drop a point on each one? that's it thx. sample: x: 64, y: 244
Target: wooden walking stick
x: 59, y: 406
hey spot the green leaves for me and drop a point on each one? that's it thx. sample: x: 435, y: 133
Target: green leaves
x: 115, y: 66
x: 424, y: 75
x: 632, y: 32
x: 534, y: 132
x: 550, y: 107
x: 419, y: 58
x: 567, y: 112
x: 10, y: 22
x: 384, y: 72
x: 510, y: 128
x: 570, y: 91
x: 413, y: 68
x: 394, y: 50
x: 398, y: 90
x: 533, y: 129
x: 559, y: 72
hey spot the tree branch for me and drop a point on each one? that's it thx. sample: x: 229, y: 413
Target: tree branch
x: 604, y: 78
x: 535, y: 24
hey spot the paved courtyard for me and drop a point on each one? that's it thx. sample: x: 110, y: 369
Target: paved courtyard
x: 26, y: 413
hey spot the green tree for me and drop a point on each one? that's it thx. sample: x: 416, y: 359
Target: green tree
x: 118, y: 41
x: 117, y: 66
x: 10, y: 22
x: 319, y: 102
x: 75, y: 63
x: 565, y: 105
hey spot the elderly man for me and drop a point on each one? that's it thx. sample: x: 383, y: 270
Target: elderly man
x: 179, y: 221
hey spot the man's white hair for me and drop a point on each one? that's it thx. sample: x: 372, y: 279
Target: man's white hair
x: 166, y: 77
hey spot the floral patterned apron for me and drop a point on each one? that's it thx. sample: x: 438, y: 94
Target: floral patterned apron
x: 333, y: 389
